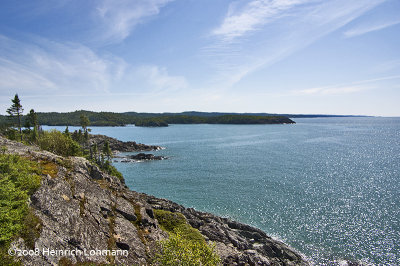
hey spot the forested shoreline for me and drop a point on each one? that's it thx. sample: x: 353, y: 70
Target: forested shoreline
x: 154, y: 119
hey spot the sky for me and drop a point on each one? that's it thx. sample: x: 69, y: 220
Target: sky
x: 274, y: 56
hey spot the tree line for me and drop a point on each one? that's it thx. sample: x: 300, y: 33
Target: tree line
x: 153, y: 120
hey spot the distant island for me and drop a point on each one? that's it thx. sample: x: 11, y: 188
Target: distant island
x: 156, y: 119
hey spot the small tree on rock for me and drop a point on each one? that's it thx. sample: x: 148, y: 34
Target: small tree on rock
x: 66, y: 132
x: 84, y: 122
x: 106, y: 150
x: 16, y: 111
x: 32, y: 120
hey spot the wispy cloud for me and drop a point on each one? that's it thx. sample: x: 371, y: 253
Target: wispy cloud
x: 241, y: 20
x: 387, y: 66
x: 370, y: 27
x: 344, y: 88
x: 333, y: 90
x: 45, y: 67
x: 119, y: 17
x: 159, y: 79
x: 262, y: 32
x: 97, y: 22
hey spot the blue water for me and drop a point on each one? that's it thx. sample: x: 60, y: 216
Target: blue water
x: 329, y: 187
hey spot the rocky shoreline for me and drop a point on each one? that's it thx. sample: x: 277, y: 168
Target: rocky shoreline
x: 121, y: 146
x: 82, y: 208
x: 140, y: 157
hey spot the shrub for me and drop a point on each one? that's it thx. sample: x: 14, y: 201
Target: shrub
x: 177, y: 250
x: 185, y: 246
x: 18, y: 180
x: 173, y: 222
x: 59, y: 143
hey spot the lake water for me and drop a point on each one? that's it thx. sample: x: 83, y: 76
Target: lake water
x: 329, y: 187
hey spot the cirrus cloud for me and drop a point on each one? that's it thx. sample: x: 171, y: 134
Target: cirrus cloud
x: 49, y: 68
x: 119, y: 17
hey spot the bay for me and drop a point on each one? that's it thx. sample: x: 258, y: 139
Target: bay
x: 328, y: 187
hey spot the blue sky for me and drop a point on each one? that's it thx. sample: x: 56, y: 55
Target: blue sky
x: 282, y: 56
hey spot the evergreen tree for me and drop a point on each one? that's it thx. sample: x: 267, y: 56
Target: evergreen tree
x: 32, y: 120
x: 84, y: 122
x: 16, y: 110
x: 34, y: 136
x: 86, y: 136
x: 101, y: 160
x: 27, y: 124
x: 80, y: 136
x: 106, y: 150
x: 75, y: 136
x: 66, y: 131
x: 94, y: 150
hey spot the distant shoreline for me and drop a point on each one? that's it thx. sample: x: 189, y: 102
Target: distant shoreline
x: 164, y: 119
x: 154, y: 119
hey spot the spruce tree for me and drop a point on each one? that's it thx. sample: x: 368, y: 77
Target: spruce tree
x: 32, y: 119
x: 85, y: 122
x: 66, y: 132
x: 106, y: 150
x: 95, y: 152
x: 16, y: 110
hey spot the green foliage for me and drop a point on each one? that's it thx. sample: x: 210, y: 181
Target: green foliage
x: 6, y: 259
x: 95, y: 118
x: 177, y: 250
x: 221, y: 119
x: 84, y: 122
x: 169, y: 220
x: 16, y: 107
x: 31, y: 119
x: 66, y: 131
x: 32, y: 228
x: 59, y: 143
x: 15, y: 115
x: 34, y: 135
x: 10, y: 133
x: 106, y: 150
x: 151, y: 122
x: 18, y: 180
x: 185, y: 246
x: 64, y: 145
x: 13, y: 209
x: 173, y: 222
x: 78, y: 136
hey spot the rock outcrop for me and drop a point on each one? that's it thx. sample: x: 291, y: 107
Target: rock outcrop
x: 121, y: 146
x: 84, y: 209
x: 140, y: 157
x: 146, y: 156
